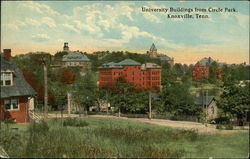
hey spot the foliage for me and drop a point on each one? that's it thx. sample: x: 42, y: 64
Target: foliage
x: 235, y: 99
x: 176, y: 99
x: 85, y: 91
x: 67, y: 76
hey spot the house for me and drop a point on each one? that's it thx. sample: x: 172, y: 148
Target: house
x: 76, y: 59
x: 208, y: 105
x: 201, y: 69
x: 17, y: 96
x: 141, y: 76
x: 163, y: 58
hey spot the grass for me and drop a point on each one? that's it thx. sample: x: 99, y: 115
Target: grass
x: 108, y: 138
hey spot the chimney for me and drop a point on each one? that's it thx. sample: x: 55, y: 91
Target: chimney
x: 7, y: 54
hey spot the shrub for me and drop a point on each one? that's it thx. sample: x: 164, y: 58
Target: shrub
x: 9, y: 121
x: 222, y: 120
x: 228, y: 127
x: 75, y: 122
x: 219, y: 126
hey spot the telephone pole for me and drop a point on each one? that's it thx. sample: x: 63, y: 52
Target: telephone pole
x: 45, y: 90
x: 149, y: 104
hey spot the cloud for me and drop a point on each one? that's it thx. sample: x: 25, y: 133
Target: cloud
x: 15, y: 25
x: 71, y: 27
x: 39, y: 8
x: 40, y: 37
x: 43, y: 21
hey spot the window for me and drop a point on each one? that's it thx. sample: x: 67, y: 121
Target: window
x: 6, y: 79
x: 1, y: 78
x: 14, y: 103
x: 7, y: 104
x: 11, y: 104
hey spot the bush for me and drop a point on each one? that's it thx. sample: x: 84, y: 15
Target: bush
x: 75, y: 122
x: 9, y: 121
x: 219, y: 126
x: 228, y: 127
x: 39, y: 128
x: 222, y: 120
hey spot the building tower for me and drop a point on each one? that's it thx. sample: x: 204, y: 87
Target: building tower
x: 65, y: 47
x: 153, y: 51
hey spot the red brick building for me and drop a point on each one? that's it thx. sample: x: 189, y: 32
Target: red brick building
x: 16, y: 94
x: 201, y: 70
x: 145, y: 76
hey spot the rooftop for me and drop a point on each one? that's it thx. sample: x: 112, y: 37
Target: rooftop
x: 20, y: 86
x: 202, y: 99
x: 75, y: 57
x: 153, y: 48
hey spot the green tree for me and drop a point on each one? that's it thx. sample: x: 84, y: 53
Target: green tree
x: 235, y: 99
x: 85, y: 91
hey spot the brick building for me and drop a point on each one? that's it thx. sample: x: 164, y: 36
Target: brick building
x: 17, y: 96
x: 201, y: 69
x: 141, y: 76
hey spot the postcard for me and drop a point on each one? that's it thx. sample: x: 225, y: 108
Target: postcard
x: 124, y: 79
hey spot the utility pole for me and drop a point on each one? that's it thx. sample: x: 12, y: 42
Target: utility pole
x: 149, y: 104
x: 69, y: 103
x: 206, y: 104
x: 45, y: 90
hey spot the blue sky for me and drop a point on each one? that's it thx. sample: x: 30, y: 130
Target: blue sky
x: 95, y: 26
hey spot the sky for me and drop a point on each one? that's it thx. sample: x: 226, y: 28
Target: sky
x: 32, y: 26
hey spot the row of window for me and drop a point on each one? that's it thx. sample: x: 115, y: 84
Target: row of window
x: 6, y: 78
x: 155, y: 78
x: 155, y: 83
x: 155, y: 73
x: 11, y: 104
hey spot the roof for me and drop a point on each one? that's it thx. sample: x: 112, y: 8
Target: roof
x: 153, y: 48
x: 20, y: 87
x: 163, y: 57
x: 76, y: 57
x: 206, y: 61
x: 128, y: 62
x: 200, y: 100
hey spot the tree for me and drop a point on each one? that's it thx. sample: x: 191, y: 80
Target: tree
x: 85, y: 91
x: 67, y: 76
x: 235, y: 99
x: 177, y: 99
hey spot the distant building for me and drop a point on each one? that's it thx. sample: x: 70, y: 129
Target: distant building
x: 145, y: 76
x: 208, y: 105
x: 76, y: 59
x: 66, y: 47
x: 16, y: 94
x: 164, y: 58
x: 201, y: 69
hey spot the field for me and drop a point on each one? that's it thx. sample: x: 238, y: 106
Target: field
x: 109, y: 138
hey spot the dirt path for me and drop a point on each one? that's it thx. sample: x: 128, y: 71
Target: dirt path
x: 201, y: 128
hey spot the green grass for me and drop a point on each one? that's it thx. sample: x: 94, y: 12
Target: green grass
x: 106, y: 138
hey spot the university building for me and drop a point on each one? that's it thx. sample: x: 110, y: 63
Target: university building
x: 163, y: 58
x: 75, y: 59
x: 201, y: 70
x: 141, y: 76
